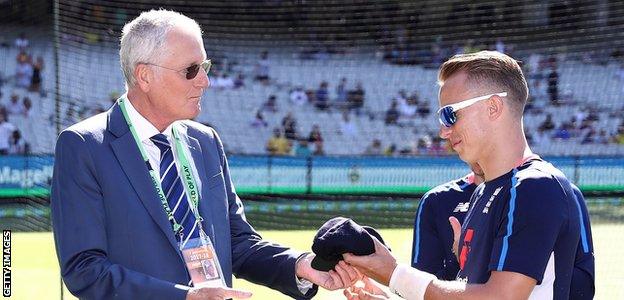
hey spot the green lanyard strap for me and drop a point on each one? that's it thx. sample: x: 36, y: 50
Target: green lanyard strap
x: 188, y: 179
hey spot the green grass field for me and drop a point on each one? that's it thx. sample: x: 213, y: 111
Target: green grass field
x: 36, y: 274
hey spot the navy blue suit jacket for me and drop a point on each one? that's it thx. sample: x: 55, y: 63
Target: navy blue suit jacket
x: 112, y: 236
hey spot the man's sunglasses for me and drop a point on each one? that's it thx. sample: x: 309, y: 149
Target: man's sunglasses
x: 191, y: 71
x: 447, y: 115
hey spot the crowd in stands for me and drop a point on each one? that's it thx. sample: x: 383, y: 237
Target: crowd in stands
x: 404, y: 108
x: 345, y: 98
x: 23, y: 85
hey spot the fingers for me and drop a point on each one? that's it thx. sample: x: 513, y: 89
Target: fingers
x: 379, y: 247
x: 456, y: 227
x: 364, y: 295
x: 355, y: 260
x: 350, y: 294
x: 334, y: 281
x: 237, y: 294
x: 456, y: 233
x: 348, y: 273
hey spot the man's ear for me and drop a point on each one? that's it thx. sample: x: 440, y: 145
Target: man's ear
x: 144, y: 75
x: 495, y: 107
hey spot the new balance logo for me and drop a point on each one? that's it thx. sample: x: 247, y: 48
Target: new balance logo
x: 462, y: 207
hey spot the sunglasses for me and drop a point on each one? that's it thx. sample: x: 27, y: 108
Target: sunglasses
x: 191, y: 71
x: 447, y: 115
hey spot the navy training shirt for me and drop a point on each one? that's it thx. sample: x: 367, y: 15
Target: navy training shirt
x: 583, y: 278
x: 525, y: 221
x: 433, y: 236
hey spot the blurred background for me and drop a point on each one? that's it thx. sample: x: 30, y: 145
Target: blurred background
x: 325, y: 108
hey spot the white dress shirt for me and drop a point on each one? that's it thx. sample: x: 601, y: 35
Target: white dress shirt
x: 145, y: 130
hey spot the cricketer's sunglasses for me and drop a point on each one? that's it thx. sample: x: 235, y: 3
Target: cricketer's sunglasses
x: 447, y: 115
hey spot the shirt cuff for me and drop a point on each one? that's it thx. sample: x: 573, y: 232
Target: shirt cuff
x: 303, y: 284
x: 410, y: 283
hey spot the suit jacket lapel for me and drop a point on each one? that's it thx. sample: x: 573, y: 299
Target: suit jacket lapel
x: 129, y: 156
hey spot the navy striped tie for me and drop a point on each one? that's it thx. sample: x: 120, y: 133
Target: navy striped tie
x: 174, y: 190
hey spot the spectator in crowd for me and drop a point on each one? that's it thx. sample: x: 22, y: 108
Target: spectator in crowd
x: 298, y: 96
x: 270, y: 105
x: 590, y: 136
x: 407, y: 108
x: 316, y: 139
x: 619, y: 136
x: 261, y: 69
x: 422, y: 146
x: 534, y: 67
x: 347, y: 127
x: 278, y: 144
x: 322, y: 97
x: 23, y: 71
x: 341, y: 94
x: 302, y: 148
x: 17, y: 145
x: 311, y: 96
x: 289, y: 124
x: 423, y: 106
x: 392, y: 114
x: 437, y: 146
x: 355, y: 98
x: 318, y: 149
x: 27, y: 104
x: 500, y: 45
x: 223, y: 81
x: 437, y: 53
x: 553, y: 82
x: 563, y: 131
x: 6, y: 131
x: 548, y: 123
x: 258, y: 120
x: 15, y: 107
x: 22, y: 43
x: 239, y: 82
x: 374, y: 148
x: 36, y: 79
x: 601, y: 138
x: 391, y: 150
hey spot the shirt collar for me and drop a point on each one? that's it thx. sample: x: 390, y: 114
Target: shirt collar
x: 144, y: 129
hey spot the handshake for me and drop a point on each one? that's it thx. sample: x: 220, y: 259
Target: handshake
x: 346, y: 256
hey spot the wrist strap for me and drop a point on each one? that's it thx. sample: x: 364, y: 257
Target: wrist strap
x: 410, y: 283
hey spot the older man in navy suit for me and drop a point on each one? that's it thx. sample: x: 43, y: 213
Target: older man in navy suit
x: 133, y: 187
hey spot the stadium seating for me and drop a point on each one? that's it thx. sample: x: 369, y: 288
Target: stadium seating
x: 89, y: 73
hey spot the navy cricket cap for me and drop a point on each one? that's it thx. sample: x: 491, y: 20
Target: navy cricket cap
x: 341, y: 235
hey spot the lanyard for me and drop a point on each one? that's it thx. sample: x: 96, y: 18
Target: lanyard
x: 187, y: 176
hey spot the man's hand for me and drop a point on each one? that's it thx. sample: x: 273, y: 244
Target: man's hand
x: 456, y: 234
x: 341, y: 277
x: 378, y: 266
x: 216, y: 293
x: 365, y: 289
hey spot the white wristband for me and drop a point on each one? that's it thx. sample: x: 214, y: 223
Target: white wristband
x: 410, y: 283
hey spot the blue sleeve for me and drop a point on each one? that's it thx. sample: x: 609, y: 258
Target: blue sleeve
x: 78, y: 222
x: 532, y: 219
x: 583, y: 277
x: 427, y: 248
x: 252, y: 256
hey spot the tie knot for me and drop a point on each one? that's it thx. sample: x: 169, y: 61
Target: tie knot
x: 160, y: 140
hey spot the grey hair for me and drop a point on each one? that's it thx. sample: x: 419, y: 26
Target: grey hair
x: 143, y: 39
